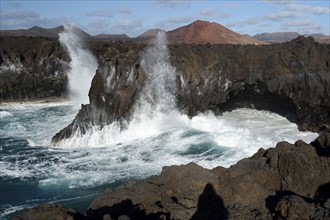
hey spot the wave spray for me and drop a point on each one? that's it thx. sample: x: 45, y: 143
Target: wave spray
x: 82, y: 65
x: 159, y: 93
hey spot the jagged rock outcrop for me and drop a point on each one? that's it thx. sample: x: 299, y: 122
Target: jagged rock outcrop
x: 32, y: 68
x: 291, y: 79
x: 286, y: 182
x: 289, y: 181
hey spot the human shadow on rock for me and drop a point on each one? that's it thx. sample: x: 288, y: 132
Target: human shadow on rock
x: 125, y: 208
x: 210, y: 206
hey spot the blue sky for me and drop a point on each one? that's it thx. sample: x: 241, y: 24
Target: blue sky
x: 135, y: 17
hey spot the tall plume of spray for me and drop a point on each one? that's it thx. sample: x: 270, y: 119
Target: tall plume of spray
x: 82, y: 66
x: 159, y: 93
x: 153, y: 110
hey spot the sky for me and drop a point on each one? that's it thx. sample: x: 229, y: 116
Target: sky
x: 135, y: 17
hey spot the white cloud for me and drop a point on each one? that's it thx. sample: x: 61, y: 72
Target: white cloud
x: 320, y: 10
x: 277, y: 17
x: 282, y: 15
x: 15, y: 19
x: 299, y: 6
x: 249, y: 21
x: 301, y: 26
x: 180, y: 20
x: 99, y: 24
x: 233, y: 5
x: 17, y: 14
x: 126, y: 11
x: 213, y: 13
x: 175, y: 22
x: 127, y: 26
x: 101, y: 13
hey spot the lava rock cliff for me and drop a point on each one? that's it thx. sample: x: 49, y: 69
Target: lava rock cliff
x: 32, y: 68
x: 291, y: 79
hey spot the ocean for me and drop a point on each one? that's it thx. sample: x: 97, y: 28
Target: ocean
x: 80, y: 168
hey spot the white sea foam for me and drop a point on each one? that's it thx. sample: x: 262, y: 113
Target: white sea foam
x: 4, y: 114
x: 36, y: 122
x: 242, y: 132
x: 9, y: 209
x: 111, y: 154
x: 83, y: 65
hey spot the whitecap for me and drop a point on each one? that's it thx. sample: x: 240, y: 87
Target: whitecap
x: 4, y: 114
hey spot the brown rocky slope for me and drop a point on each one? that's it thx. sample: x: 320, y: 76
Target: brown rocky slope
x: 202, y: 32
x: 290, y: 181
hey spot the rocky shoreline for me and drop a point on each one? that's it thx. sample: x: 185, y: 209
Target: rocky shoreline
x: 291, y: 79
x: 290, y: 181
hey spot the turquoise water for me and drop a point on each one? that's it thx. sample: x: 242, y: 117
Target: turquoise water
x: 79, y: 169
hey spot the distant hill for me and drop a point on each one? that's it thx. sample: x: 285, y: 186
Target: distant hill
x: 37, y: 31
x: 279, y: 37
x: 276, y: 37
x: 202, y: 32
x: 150, y: 33
x: 122, y: 37
x: 198, y: 32
x: 321, y: 38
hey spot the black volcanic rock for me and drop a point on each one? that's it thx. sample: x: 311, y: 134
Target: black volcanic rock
x: 32, y: 68
x: 291, y: 79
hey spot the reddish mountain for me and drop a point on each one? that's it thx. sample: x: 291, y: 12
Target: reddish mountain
x: 202, y: 32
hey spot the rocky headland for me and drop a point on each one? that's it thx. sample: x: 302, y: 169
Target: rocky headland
x: 291, y: 79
